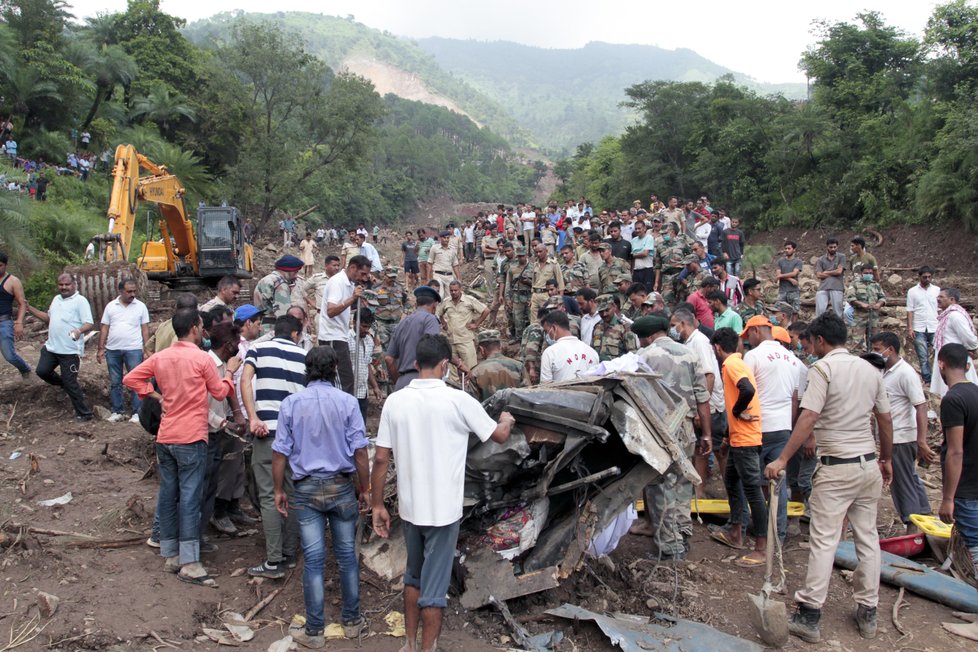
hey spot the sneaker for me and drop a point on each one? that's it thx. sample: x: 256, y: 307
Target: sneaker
x: 152, y: 543
x: 355, y: 629
x: 115, y: 417
x: 223, y: 525
x: 866, y: 621
x: 267, y: 569
x: 305, y: 639
x: 134, y: 418
x: 804, y: 624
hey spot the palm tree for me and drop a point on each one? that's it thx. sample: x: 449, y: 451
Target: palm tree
x: 8, y: 50
x: 25, y: 89
x: 162, y: 107
x: 111, y: 66
x: 14, y: 230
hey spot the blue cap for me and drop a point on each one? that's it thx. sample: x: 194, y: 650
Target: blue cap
x: 288, y: 264
x: 425, y: 291
x: 246, y: 312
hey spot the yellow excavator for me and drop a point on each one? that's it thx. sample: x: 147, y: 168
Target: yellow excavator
x: 183, y: 256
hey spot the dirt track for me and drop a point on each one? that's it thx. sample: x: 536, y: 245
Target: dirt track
x: 115, y: 598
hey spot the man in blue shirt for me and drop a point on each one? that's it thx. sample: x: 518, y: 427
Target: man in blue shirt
x: 68, y: 319
x: 321, y: 437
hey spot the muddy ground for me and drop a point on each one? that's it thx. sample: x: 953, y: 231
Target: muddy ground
x: 120, y: 599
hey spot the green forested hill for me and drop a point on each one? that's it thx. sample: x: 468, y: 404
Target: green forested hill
x: 334, y: 39
x: 568, y: 96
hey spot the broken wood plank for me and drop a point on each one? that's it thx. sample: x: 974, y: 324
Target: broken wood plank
x: 490, y: 576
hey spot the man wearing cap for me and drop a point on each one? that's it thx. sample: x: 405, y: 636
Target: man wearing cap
x: 611, y: 338
x: 782, y: 314
x: 519, y: 290
x: 308, y: 292
x: 636, y: 294
x: 401, y: 351
x: 496, y: 371
x: 611, y: 268
x: 842, y: 395
x: 667, y: 502
x: 273, y: 293
x: 461, y: 317
x: 544, y: 269
x: 778, y: 375
x: 622, y: 283
x: 654, y: 305
x: 443, y: 260
x: 574, y: 271
x: 532, y: 341
x: 391, y: 303
x: 866, y: 298
x: 341, y: 293
x: 668, y: 262
x: 490, y: 251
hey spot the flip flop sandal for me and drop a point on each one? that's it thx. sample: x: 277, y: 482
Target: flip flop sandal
x: 202, y: 580
x: 748, y: 562
x: 722, y: 536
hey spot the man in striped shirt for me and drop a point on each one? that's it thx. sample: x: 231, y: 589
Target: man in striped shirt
x: 273, y: 371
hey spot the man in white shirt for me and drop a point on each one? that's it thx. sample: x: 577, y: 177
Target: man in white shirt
x: 566, y: 356
x: 426, y: 426
x: 777, y: 372
x: 686, y: 326
x: 908, y: 409
x: 469, y: 237
x: 341, y: 292
x: 922, y: 318
x: 587, y: 301
x: 954, y: 326
x: 68, y: 319
x: 370, y: 251
x: 123, y: 334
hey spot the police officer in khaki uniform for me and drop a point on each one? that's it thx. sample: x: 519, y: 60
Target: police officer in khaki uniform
x: 843, y: 394
x: 461, y: 315
x: 443, y: 260
x: 544, y: 269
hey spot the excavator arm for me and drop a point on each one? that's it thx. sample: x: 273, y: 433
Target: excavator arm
x: 176, y: 254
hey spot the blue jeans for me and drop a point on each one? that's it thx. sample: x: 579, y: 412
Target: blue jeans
x: 7, y: 347
x: 115, y: 361
x: 733, y: 267
x: 966, y: 523
x: 319, y: 501
x: 922, y: 344
x: 773, y: 444
x: 182, y: 471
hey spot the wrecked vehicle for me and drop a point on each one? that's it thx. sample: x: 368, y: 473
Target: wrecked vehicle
x: 565, y: 482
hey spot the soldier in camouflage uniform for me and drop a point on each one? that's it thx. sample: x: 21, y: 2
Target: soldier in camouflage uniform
x: 611, y: 268
x: 496, y: 371
x: 532, y: 342
x: 575, y: 272
x: 752, y: 305
x: 635, y: 296
x: 695, y: 274
x: 273, y: 293
x: 611, y: 338
x: 667, y: 501
x: 622, y: 283
x: 519, y: 286
x: 502, y: 292
x: 391, y: 302
x: 670, y: 252
x: 866, y: 297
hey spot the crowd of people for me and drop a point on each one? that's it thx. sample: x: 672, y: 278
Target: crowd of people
x: 37, y: 172
x: 287, y: 381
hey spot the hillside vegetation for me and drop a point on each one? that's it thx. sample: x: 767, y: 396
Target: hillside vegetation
x: 890, y: 135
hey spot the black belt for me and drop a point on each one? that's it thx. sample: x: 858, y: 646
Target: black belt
x: 538, y: 291
x: 6, y: 317
x: 338, y: 478
x: 444, y: 273
x: 673, y: 270
x: 828, y: 460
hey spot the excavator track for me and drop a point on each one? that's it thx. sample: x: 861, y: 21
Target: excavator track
x: 99, y: 282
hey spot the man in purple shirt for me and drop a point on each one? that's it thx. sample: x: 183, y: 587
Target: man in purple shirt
x: 320, y: 437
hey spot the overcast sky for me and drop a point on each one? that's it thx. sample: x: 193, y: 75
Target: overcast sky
x: 762, y: 38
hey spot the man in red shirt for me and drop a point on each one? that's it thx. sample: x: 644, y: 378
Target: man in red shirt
x: 185, y: 376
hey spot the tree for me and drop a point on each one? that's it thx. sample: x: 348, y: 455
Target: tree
x: 163, y: 108
x: 952, y: 37
x: 111, y: 67
x: 36, y: 20
x: 302, y: 119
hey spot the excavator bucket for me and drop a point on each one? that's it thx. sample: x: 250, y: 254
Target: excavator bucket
x: 99, y: 282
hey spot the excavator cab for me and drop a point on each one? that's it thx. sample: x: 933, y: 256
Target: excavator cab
x: 221, y: 247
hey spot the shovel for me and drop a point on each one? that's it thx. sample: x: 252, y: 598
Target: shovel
x: 769, y: 617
